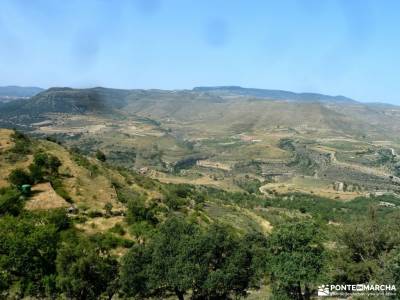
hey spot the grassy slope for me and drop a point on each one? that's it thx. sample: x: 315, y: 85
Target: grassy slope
x: 245, y: 213
x: 91, y: 184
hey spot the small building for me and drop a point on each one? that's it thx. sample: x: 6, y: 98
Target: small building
x: 26, y: 189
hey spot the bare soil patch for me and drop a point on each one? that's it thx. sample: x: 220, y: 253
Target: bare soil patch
x: 44, y: 197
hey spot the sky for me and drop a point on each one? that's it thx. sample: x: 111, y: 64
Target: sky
x: 336, y: 47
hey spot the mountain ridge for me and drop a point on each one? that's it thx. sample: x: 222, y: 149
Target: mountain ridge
x: 273, y: 94
x: 228, y: 108
x: 19, y: 91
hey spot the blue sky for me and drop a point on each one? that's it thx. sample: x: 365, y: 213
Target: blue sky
x: 346, y: 47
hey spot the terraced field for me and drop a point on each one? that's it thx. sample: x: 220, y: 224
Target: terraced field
x: 228, y: 140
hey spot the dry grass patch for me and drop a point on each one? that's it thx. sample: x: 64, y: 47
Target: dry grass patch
x: 6, y: 142
x: 100, y: 224
x: 308, y: 186
x: 93, y: 190
x: 6, y: 166
x: 44, y: 198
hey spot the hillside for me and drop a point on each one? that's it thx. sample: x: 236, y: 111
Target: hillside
x: 87, y: 184
x: 272, y: 94
x: 115, y: 231
x: 226, y: 137
x: 19, y: 91
x: 228, y: 107
x: 66, y: 100
x: 12, y: 93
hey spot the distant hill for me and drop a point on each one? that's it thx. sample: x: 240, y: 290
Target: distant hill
x: 231, y: 109
x: 271, y: 94
x: 67, y: 100
x: 19, y: 91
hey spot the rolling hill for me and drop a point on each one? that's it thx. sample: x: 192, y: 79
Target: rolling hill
x: 83, y: 219
x: 272, y: 94
x: 12, y: 93
x: 220, y: 107
x: 218, y: 135
x: 19, y: 91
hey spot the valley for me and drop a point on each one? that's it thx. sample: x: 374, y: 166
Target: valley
x: 117, y: 174
x: 150, y: 151
x: 232, y: 138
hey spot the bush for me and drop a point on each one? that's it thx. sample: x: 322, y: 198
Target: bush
x: 178, y: 195
x: 212, y: 264
x: 28, y: 251
x: 108, y: 241
x: 118, y: 229
x: 22, y: 143
x: 250, y: 185
x: 101, y: 156
x: 138, y: 211
x: 18, y: 177
x: 11, y: 201
x: 142, y: 230
x: 296, y: 259
x: 37, y: 174
x: 49, y: 163
x: 125, y: 194
x: 84, y: 271
x: 44, y: 167
x: 95, y: 214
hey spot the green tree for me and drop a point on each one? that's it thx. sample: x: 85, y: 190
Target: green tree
x: 36, y: 173
x: 101, y: 156
x: 363, y: 243
x: 53, y: 164
x: 27, y: 252
x: 182, y: 257
x: 139, y: 211
x: 10, y: 201
x: 133, y: 272
x: 393, y: 270
x: 296, y: 259
x: 44, y: 166
x: 18, y: 177
x: 170, y: 270
x: 83, y: 271
x: 22, y: 143
x: 225, y: 264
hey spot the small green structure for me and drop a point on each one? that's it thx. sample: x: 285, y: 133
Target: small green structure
x: 26, y: 189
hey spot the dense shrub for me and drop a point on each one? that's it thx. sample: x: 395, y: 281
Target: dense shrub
x: 213, y: 264
x: 296, y: 259
x: 101, y: 156
x: 28, y: 251
x: 84, y: 270
x: 11, y: 201
x: 22, y: 144
x: 250, y: 185
x: 139, y: 211
x: 18, y: 177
